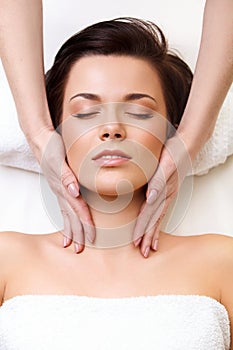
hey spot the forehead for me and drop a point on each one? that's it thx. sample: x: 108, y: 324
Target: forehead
x: 106, y: 74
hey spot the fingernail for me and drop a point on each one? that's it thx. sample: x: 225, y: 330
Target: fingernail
x: 152, y: 197
x: 72, y: 188
x: 146, y: 252
x: 137, y: 242
x: 155, y: 244
x: 76, y: 247
x: 65, y: 241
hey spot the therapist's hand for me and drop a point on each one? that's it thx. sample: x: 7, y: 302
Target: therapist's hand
x: 173, y: 166
x: 77, y: 218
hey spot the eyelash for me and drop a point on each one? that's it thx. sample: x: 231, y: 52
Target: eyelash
x: 84, y: 115
x: 137, y: 115
x: 141, y: 115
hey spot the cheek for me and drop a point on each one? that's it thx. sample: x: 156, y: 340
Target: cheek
x: 78, y: 151
x: 149, y: 152
x: 154, y: 145
x: 147, y: 141
x: 75, y: 157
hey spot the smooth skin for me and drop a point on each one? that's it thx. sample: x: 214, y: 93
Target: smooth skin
x: 193, y: 265
x: 25, y: 72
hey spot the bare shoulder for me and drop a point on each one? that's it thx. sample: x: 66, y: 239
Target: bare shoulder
x: 214, y: 240
x: 212, y: 246
x: 218, y: 246
x: 14, y: 242
x: 14, y: 248
x: 208, y: 252
x: 8, y: 243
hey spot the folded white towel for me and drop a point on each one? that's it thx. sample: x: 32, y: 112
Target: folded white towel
x: 14, y: 149
x: 220, y: 145
x: 162, y: 322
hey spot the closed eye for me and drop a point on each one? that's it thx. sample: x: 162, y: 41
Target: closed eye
x: 84, y: 115
x: 140, y: 115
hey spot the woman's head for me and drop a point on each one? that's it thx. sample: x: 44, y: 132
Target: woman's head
x: 122, y: 37
x: 105, y: 71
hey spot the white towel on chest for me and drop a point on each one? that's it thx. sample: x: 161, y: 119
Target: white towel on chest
x: 163, y: 322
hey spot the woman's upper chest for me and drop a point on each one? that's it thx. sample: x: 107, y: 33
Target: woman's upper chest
x: 58, y: 272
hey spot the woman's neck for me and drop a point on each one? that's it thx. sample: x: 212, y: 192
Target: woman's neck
x: 114, y: 217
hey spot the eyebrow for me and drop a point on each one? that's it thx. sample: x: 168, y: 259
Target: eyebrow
x: 138, y: 96
x: 87, y: 96
x: 129, y: 97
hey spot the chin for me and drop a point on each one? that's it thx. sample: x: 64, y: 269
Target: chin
x: 112, y: 186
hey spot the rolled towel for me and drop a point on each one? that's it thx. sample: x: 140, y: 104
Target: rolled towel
x: 220, y: 145
x: 14, y: 148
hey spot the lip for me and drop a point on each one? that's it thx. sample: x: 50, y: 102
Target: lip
x: 104, y: 158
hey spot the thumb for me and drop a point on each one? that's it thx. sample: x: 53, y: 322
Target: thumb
x: 159, y: 180
x: 69, y: 181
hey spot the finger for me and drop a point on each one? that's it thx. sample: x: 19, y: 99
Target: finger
x: 158, y: 182
x: 67, y: 235
x: 77, y: 232
x: 163, y: 202
x: 81, y: 209
x: 137, y: 241
x: 76, y: 228
x: 89, y: 231
x: 151, y: 236
x: 73, y: 229
x: 148, y: 211
x: 151, y: 239
x: 158, y: 224
x: 73, y: 189
x: 137, y: 234
x: 69, y: 181
x: 146, y: 243
x: 155, y: 239
x: 141, y: 223
x: 162, y: 211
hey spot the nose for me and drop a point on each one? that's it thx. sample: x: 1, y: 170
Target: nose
x: 113, y: 131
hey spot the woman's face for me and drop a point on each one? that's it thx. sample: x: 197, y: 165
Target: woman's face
x: 113, y: 122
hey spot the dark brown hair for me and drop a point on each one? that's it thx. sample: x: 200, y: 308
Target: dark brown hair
x: 122, y: 36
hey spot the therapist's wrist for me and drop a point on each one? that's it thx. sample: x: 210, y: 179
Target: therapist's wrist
x: 197, y: 125
x: 195, y: 130
x: 193, y: 143
x: 39, y: 139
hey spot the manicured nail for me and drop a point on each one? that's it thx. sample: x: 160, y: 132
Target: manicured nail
x: 72, y: 188
x: 76, y: 247
x: 152, y: 197
x: 155, y: 244
x: 146, y: 252
x: 137, y: 242
x: 65, y: 242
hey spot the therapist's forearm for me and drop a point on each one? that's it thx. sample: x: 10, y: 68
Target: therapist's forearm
x: 21, y: 51
x: 212, y: 77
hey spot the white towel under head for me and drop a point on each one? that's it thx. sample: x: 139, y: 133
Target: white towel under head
x: 68, y: 322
